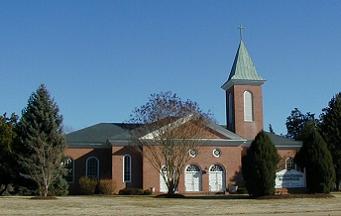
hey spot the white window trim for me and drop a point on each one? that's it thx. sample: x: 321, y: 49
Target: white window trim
x: 86, y: 165
x: 224, y: 175
x: 200, y: 179
x: 126, y: 155
x: 230, y: 109
x: 217, y: 149
x: 252, y: 106
x: 193, y: 155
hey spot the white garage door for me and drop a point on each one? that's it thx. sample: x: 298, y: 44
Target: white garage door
x: 216, y: 179
x: 163, y: 186
x: 192, y: 179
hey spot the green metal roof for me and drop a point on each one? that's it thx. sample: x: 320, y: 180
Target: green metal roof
x: 243, y: 70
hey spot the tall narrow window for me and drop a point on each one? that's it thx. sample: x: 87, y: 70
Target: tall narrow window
x: 290, y: 163
x: 248, y: 106
x: 230, y: 110
x: 126, y: 168
x: 92, y: 167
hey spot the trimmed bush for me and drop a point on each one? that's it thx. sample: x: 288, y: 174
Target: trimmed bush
x: 87, y: 185
x: 106, y: 186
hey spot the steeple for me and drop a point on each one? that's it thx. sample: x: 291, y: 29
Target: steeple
x: 244, y: 100
x: 243, y: 70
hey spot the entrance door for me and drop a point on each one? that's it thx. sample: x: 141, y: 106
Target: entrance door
x: 192, y: 179
x: 163, y: 185
x: 216, y: 179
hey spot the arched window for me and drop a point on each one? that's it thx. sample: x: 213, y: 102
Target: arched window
x: 230, y: 110
x: 127, y: 168
x: 70, y: 167
x: 290, y: 163
x: 248, y: 106
x: 192, y: 178
x: 92, y: 167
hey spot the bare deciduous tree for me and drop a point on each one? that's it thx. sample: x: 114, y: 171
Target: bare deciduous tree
x: 170, y: 129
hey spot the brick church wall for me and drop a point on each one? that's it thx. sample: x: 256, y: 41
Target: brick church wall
x: 248, y: 130
x: 79, y: 156
x: 117, y: 167
x: 230, y: 159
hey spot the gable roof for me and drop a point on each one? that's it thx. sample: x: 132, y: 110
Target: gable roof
x: 243, y: 69
x: 106, y: 134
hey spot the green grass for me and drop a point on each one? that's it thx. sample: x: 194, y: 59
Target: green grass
x: 147, y: 205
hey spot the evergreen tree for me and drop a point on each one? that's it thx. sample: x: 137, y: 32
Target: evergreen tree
x: 315, y: 157
x: 7, y: 161
x: 295, y: 123
x: 259, y: 166
x: 330, y: 128
x: 41, y: 140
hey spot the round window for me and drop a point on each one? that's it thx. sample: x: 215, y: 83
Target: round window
x: 216, y: 152
x: 193, y: 153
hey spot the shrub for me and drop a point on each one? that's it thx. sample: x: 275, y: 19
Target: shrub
x: 59, y: 187
x: 259, y: 166
x: 131, y: 191
x: 87, y: 185
x: 106, y: 186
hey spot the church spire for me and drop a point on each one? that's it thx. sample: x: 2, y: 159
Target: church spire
x: 244, y: 100
x: 243, y: 69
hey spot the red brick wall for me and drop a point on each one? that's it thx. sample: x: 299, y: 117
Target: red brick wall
x: 79, y: 155
x: 247, y: 130
x: 230, y: 159
x: 285, y: 153
x: 117, y: 167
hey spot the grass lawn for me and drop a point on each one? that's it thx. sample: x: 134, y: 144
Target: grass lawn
x: 145, y: 205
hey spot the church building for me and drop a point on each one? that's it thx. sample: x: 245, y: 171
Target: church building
x: 103, y: 151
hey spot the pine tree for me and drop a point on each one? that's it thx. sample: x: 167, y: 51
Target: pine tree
x: 330, y: 128
x: 7, y: 160
x: 315, y: 157
x: 42, y: 141
x: 259, y: 166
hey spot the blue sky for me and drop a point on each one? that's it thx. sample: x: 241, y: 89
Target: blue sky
x: 100, y: 59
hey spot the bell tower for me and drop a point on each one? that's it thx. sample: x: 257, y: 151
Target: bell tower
x: 244, y: 100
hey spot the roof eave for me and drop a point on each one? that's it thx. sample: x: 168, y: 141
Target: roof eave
x: 227, y: 85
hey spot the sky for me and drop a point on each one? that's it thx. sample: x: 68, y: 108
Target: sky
x: 101, y: 59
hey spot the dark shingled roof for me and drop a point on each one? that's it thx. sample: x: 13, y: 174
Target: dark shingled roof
x: 282, y: 141
x: 98, y: 134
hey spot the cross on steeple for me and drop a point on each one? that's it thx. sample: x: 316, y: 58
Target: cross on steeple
x: 241, y: 28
